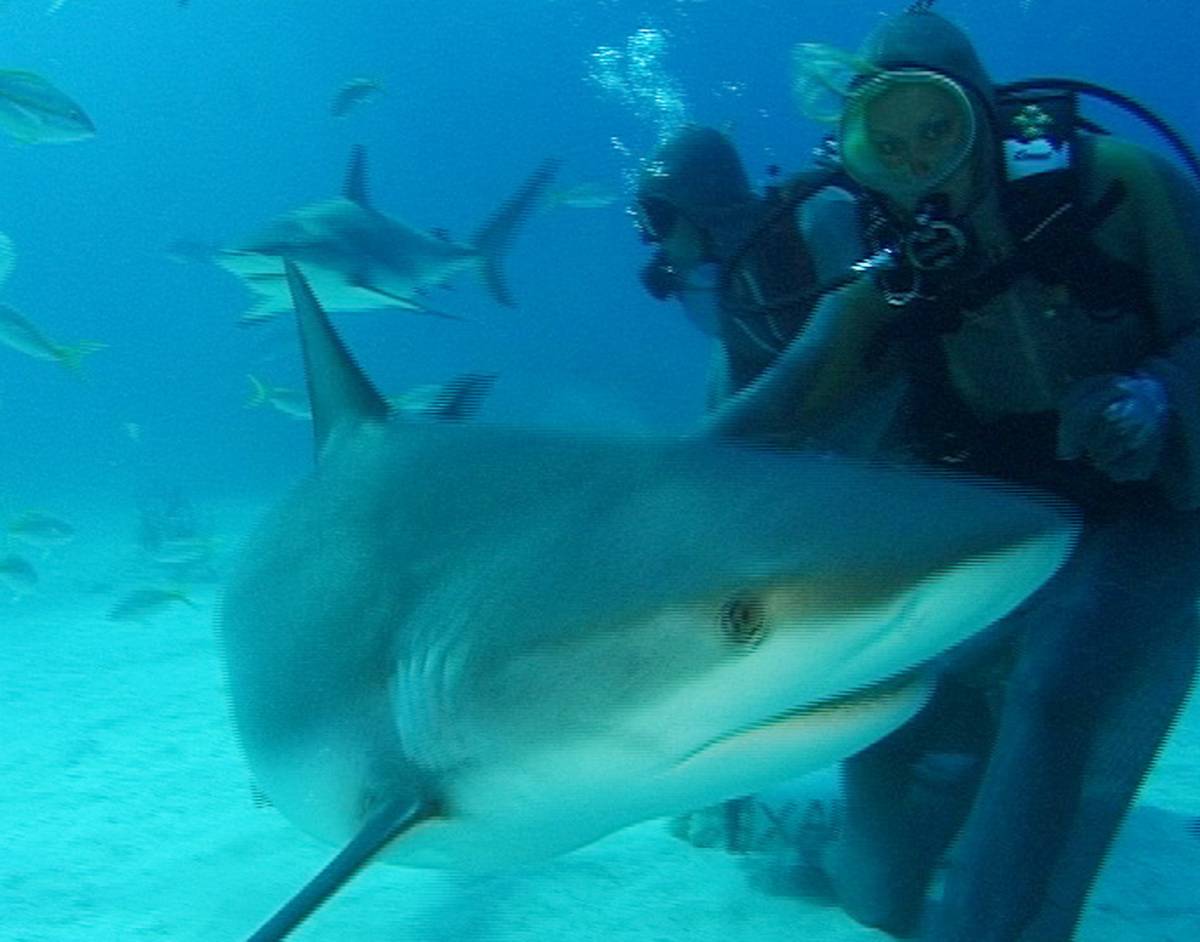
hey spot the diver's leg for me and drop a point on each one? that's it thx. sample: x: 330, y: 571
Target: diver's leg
x: 1134, y: 729
x: 1129, y: 581
x: 905, y: 797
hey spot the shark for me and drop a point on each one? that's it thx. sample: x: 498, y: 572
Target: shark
x: 358, y: 258
x: 473, y: 647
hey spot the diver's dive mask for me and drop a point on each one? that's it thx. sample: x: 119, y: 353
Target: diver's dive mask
x: 905, y: 133
x: 654, y: 218
x: 660, y: 278
x: 697, y: 287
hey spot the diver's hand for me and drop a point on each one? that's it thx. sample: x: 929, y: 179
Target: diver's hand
x: 1116, y: 422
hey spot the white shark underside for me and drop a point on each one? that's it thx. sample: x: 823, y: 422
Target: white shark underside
x: 471, y: 647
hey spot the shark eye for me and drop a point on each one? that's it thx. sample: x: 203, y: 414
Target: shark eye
x: 743, y: 620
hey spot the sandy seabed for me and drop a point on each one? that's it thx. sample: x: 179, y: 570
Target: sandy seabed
x: 127, y: 813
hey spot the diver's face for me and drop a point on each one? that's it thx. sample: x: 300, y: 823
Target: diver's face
x: 916, y: 132
x: 906, y: 135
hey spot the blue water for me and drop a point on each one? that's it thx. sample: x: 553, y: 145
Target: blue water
x: 214, y: 117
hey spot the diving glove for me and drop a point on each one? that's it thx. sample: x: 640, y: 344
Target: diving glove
x: 1118, y: 423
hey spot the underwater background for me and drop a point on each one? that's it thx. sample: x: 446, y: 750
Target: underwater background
x: 124, y: 810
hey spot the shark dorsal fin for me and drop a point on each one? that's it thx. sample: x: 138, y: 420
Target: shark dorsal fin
x: 339, y: 392
x: 354, y: 187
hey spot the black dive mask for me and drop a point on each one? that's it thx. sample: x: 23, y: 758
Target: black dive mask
x: 660, y: 278
x: 654, y: 218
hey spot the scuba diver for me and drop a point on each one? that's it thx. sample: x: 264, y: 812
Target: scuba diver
x: 1033, y: 288
x: 723, y: 250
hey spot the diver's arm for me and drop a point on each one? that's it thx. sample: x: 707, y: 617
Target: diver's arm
x: 1157, y: 229
x: 829, y: 225
x: 820, y: 390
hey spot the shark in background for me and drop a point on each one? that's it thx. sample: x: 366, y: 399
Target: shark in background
x: 358, y: 258
x: 473, y: 647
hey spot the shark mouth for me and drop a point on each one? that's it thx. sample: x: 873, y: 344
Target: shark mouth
x: 877, y: 693
x: 895, y: 690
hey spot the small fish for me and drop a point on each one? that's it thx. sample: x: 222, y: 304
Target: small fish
x: 132, y: 430
x: 34, y: 111
x: 18, y: 575
x: 18, y: 332
x: 355, y: 92
x: 185, y: 550
x: 291, y: 402
x: 587, y: 195
x: 144, y: 604
x: 8, y: 257
x: 41, y: 530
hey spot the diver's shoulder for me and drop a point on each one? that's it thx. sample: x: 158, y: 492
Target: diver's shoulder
x: 1110, y: 157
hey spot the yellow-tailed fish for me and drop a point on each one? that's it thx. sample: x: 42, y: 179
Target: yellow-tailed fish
x: 18, y: 575
x: 34, y: 111
x: 18, y: 332
x: 353, y: 93
x: 291, y: 402
x: 41, y: 530
x: 144, y: 604
x: 185, y: 550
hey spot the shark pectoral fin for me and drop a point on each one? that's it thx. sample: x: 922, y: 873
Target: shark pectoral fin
x: 496, y: 236
x: 362, y: 282
x: 383, y: 827
x: 400, y: 301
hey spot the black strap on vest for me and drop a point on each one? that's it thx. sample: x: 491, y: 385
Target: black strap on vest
x: 783, y: 201
x: 766, y: 285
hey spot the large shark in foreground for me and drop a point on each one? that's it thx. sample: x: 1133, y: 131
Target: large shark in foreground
x: 358, y: 258
x: 469, y: 647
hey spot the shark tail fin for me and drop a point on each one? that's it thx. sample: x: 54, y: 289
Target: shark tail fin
x: 387, y: 824
x: 354, y: 185
x: 463, y: 396
x: 72, y: 357
x: 339, y: 392
x: 496, y: 237
x: 259, y: 395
